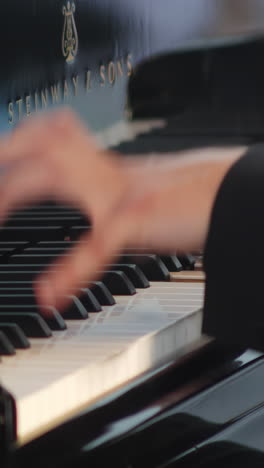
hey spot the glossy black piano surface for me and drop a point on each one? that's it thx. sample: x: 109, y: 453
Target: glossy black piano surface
x: 197, y: 65
x: 89, y: 71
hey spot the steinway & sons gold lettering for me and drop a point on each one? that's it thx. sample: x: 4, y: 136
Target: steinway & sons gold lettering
x: 61, y: 91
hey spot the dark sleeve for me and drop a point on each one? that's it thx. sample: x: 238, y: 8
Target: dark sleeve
x: 234, y: 256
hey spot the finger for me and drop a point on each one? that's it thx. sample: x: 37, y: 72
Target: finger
x: 26, y: 182
x: 35, y: 136
x: 84, y: 263
x: 25, y: 140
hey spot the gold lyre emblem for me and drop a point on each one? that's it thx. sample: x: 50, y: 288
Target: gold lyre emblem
x: 69, y: 36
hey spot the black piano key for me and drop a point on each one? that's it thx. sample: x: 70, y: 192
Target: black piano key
x: 172, y: 262
x: 32, y: 259
x: 27, y: 303
x: 47, y: 205
x: 54, y: 319
x: 17, y: 299
x: 15, y: 334
x: 40, y: 221
x: 48, y: 250
x: 118, y: 283
x: 33, y: 233
x: 6, y: 245
x: 17, y: 275
x: 44, y: 213
x: 9, y: 248
x: 133, y: 272
x: 20, y: 273
x: 89, y: 301
x: 55, y: 244
x: 151, y: 265
x: 187, y: 261
x: 102, y: 293
x: 6, y: 347
x: 13, y: 288
x: 32, y: 324
x: 75, y: 310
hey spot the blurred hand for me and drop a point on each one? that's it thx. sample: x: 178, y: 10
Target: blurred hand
x: 164, y: 203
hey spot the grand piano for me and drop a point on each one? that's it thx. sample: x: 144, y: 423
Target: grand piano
x: 147, y: 78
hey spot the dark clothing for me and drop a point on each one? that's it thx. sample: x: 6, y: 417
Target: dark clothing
x: 234, y: 256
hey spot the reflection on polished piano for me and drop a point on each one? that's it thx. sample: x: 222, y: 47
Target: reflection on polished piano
x: 124, y: 377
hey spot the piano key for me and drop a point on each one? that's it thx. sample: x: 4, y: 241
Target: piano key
x: 15, y: 334
x: 47, y: 205
x: 40, y: 221
x: 75, y: 310
x: 11, y: 247
x: 6, y: 347
x: 48, y: 211
x: 40, y: 250
x: 102, y: 293
x: 187, y: 261
x: 89, y: 301
x: 17, y: 299
x: 44, y: 213
x: 32, y: 259
x: 7, y: 249
x: 172, y: 262
x: 151, y: 265
x: 33, y: 233
x: 53, y: 318
x: 117, y: 282
x: 54, y: 244
x: 189, y: 276
x: 27, y: 303
x: 32, y: 324
x: 12, y: 276
x: 133, y: 272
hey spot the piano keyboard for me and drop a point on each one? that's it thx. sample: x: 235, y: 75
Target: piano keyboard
x: 59, y: 375
x: 138, y: 315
